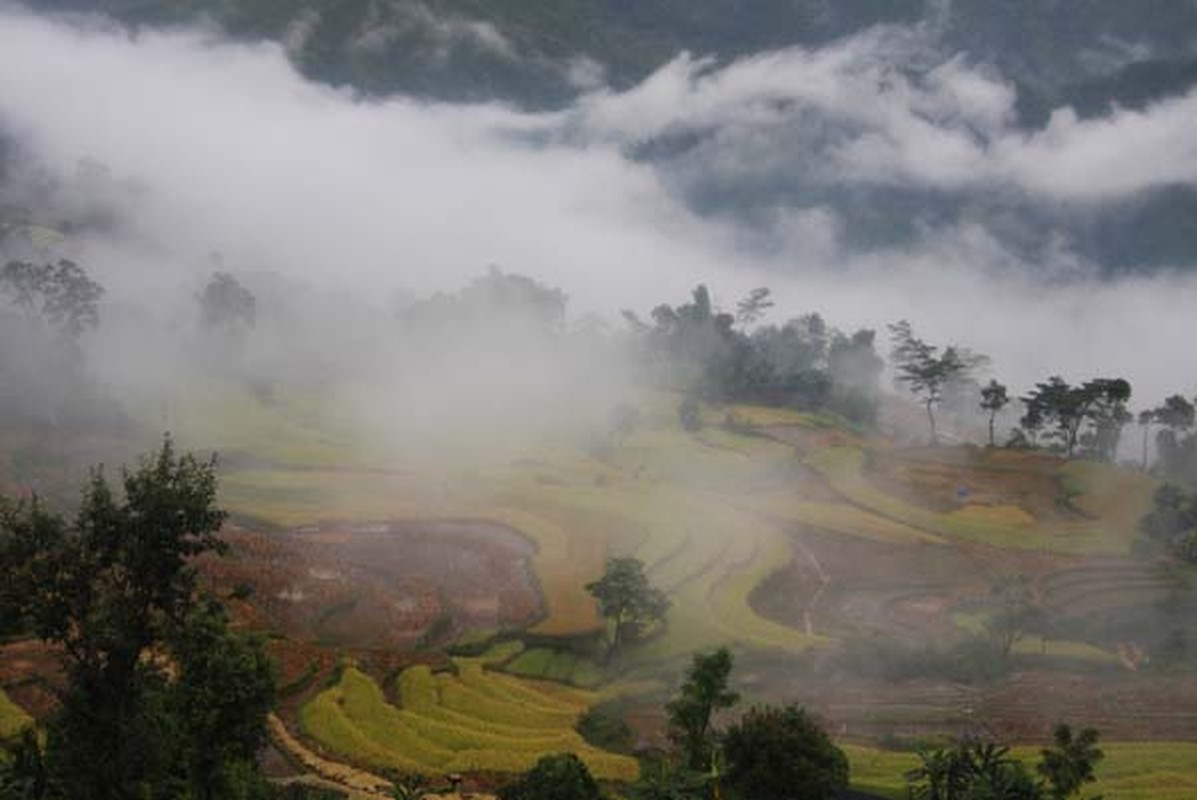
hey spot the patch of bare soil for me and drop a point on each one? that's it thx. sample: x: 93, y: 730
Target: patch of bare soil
x: 392, y: 585
x: 805, y: 439
x: 30, y: 672
x: 843, y: 586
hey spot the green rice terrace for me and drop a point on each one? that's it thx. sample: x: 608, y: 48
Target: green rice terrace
x: 429, y: 615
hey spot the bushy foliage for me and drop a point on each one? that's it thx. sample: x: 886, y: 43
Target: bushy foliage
x: 1090, y: 415
x: 116, y: 592
x: 803, y: 363
x: 1175, y: 442
x: 227, y: 306
x: 704, y: 692
x: 626, y: 599
x: 976, y: 769
x: 1069, y: 763
x: 62, y: 294
x: 223, y: 691
x: 496, y: 301
x: 928, y: 372
x: 1172, y: 522
x: 971, y: 770
x: 45, y: 309
x: 662, y: 780
x: 605, y: 728
x: 556, y: 777
x: 782, y: 754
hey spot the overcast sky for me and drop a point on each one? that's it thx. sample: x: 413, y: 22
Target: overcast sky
x: 234, y: 152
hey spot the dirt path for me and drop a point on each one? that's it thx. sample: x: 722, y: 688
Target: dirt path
x: 824, y: 581
x: 360, y: 784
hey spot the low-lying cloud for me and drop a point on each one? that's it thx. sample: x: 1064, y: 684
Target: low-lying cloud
x: 216, y: 146
x: 878, y: 109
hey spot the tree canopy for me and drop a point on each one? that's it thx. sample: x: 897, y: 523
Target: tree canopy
x: 626, y: 598
x: 926, y: 371
x: 978, y: 769
x: 227, y: 306
x: 697, y: 349
x: 555, y: 777
x: 704, y: 692
x: 62, y: 293
x: 782, y: 753
x: 1091, y: 414
x: 116, y: 591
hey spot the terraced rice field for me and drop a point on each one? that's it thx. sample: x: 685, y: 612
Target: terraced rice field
x: 1097, y: 586
x: 843, y: 467
x: 713, y: 516
x: 706, y: 513
x: 545, y: 664
x: 472, y: 721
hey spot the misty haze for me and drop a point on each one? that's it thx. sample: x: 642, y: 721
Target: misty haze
x: 786, y: 400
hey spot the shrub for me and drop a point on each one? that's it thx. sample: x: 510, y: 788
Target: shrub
x: 783, y: 754
x: 605, y: 728
x: 556, y: 777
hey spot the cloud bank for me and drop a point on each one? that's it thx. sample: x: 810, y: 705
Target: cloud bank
x: 222, y: 147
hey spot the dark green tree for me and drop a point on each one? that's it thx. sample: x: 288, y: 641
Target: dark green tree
x: 1176, y: 448
x: 753, y: 306
x: 1172, y: 522
x: 497, y: 301
x: 61, y: 293
x: 704, y: 692
x: 24, y: 776
x: 1065, y: 411
x: 782, y: 754
x: 1070, y: 762
x: 926, y: 371
x: 994, y: 398
x: 556, y: 777
x: 626, y: 598
x: 971, y: 770
x: 1176, y: 413
x: 661, y: 780
x: 116, y: 592
x: 227, y: 306
x: 223, y: 692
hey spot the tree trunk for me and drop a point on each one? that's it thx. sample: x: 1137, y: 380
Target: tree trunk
x: 931, y: 419
x: 991, y: 416
x: 616, y: 637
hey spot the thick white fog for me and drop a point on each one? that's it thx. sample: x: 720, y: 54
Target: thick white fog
x: 223, y: 147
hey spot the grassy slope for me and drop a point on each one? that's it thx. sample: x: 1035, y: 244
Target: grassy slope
x: 1130, y: 771
x: 843, y: 468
